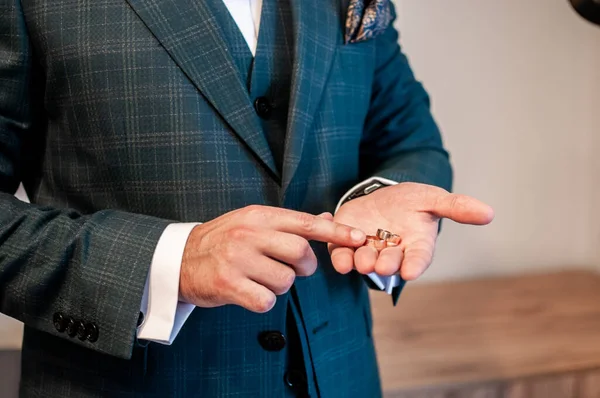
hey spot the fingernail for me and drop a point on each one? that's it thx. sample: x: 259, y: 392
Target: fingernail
x: 357, y: 235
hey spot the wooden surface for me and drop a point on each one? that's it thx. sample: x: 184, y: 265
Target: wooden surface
x: 442, y: 336
x: 583, y: 384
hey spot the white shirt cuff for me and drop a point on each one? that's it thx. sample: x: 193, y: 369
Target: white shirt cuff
x: 164, y: 314
x: 383, y: 282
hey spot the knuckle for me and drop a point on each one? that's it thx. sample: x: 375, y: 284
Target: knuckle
x: 311, y: 266
x: 289, y: 279
x: 263, y: 302
x: 306, y: 222
x: 286, y: 280
x: 301, y: 250
x: 251, y: 209
x: 256, y: 212
x: 222, y: 279
x: 229, y: 253
x: 238, y: 233
x: 304, y: 259
x: 454, y: 202
x: 306, y: 269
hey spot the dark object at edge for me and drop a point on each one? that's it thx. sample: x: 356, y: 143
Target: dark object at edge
x: 587, y: 9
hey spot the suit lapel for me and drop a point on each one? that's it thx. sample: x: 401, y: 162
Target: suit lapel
x: 316, y: 32
x: 188, y: 31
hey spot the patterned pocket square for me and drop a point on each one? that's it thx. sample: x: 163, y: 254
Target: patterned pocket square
x: 367, y: 19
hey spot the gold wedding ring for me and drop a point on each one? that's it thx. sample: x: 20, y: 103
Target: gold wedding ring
x: 382, y: 239
x: 390, y: 238
x: 383, y: 234
x: 375, y: 242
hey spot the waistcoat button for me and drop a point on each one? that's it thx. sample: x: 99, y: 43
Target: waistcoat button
x: 262, y: 107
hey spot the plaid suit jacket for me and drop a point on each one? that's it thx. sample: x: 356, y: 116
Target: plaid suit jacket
x: 121, y: 116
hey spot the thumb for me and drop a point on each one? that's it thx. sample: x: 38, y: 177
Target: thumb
x: 462, y: 209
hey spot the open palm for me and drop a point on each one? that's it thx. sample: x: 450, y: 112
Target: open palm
x: 411, y: 211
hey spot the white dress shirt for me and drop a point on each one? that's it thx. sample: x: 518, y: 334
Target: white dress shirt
x: 164, y: 314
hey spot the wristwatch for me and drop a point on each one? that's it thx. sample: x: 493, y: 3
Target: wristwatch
x: 363, y: 188
x: 367, y: 190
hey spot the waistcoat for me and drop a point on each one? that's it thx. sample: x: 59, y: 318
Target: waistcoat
x: 268, y: 74
x: 268, y: 77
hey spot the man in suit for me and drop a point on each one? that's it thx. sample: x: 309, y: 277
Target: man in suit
x: 183, y: 159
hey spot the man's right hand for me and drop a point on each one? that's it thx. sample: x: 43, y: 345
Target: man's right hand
x: 249, y: 256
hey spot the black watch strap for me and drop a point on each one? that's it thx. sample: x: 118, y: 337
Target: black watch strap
x: 370, y: 188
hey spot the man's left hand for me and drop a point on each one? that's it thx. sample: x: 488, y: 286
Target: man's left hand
x: 413, y: 212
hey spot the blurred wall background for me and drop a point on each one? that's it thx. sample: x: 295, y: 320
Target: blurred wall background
x: 515, y: 87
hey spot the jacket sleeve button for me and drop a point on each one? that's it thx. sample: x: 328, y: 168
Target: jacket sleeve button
x: 60, y: 323
x: 92, y: 332
x: 71, y: 327
x: 81, y: 331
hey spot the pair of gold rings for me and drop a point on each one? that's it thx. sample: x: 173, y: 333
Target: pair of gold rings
x: 382, y: 239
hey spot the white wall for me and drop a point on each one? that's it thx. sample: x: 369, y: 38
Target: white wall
x: 513, y: 85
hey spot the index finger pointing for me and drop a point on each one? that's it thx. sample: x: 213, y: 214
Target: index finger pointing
x: 320, y: 229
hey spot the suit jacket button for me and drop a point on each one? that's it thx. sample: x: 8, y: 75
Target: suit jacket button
x: 92, y: 332
x: 272, y: 340
x: 262, y: 107
x: 295, y: 379
x: 71, y: 327
x: 60, y: 323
